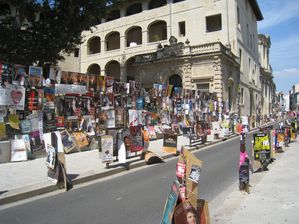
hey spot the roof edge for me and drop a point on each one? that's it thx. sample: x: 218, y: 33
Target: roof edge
x: 256, y: 9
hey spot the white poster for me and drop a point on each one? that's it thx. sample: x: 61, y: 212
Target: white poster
x: 107, y: 148
x: 121, y: 152
x: 111, y: 119
x: 12, y: 95
x: 18, y: 150
x: 133, y: 118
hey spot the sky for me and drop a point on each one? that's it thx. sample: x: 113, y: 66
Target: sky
x: 281, y: 22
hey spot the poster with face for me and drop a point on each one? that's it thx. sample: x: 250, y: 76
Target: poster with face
x: 109, y: 81
x: 110, y: 100
x: 19, y: 75
x: 64, y: 77
x: 12, y: 96
x: 101, y: 83
x: 92, y: 82
x: 118, y: 101
x: 105, y: 102
x: 111, y: 119
x: 67, y: 142
x: 6, y: 73
x: 119, y: 116
x: 82, y: 79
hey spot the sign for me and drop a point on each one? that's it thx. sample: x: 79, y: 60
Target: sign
x: 261, y: 146
x: 18, y: 150
x: 70, y: 89
x: 107, y: 148
x: 170, y: 203
x: 280, y: 137
x: 12, y: 96
x: 170, y: 143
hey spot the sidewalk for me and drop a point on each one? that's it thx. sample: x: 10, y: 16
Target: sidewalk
x: 274, y: 196
x: 21, y: 180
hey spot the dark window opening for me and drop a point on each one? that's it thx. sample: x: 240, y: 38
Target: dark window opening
x: 134, y: 9
x: 157, y: 3
x: 113, y: 41
x: 157, y: 32
x: 213, y: 23
x: 94, y: 45
x: 182, y: 29
x: 76, y: 53
x: 134, y: 37
x: 203, y: 87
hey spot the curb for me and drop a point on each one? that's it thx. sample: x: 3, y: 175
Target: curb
x: 90, y: 177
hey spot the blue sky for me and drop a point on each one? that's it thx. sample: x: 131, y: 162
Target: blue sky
x: 281, y: 22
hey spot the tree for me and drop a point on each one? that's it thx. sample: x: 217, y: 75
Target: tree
x: 37, y: 31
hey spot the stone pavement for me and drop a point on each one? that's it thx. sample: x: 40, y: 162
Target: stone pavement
x: 273, y: 198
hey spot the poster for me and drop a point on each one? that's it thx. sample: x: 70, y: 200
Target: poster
x: 92, y: 82
x: 73, y: 78
x: 185, y: 213
x: 133, y: 118
x: 50, y: 151
x: 280, y: 137
x: 27, y: 144
x: 261, y: 146
x: 107, y: 148
x: 119, y: 116
x: 4, y: 151
x: 36, y: 143
x: 170, y: 203
x: 18, y: 150
x: 136, y: 139
x: 111, y: 118
x: 81, y: 139
x: 12, y: 96
x: 82, y: 79
x: 13, y: 120
x: 35, y: 76
x: 67, y: 142
x: 170, y: 143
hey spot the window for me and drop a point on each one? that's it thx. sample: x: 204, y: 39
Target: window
x: 134, y: 9
x: 182, y: 29
x: 213, y: 23
x: 156, y: 4
x: 240, y: 58
x: 238, y: 17
x: 76, y: 53
x: 242, y: 96
x: 203, y: 87
x: 112, y: 15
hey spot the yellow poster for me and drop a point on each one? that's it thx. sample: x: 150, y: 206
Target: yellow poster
x: 2, y: 130
x: 14, y: 121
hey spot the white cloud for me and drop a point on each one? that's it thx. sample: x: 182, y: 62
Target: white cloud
x: 277, y: 11
x: 288, y: 72
x: 286, y: 78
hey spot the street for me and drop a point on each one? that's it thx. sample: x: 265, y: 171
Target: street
x: 135, y: 197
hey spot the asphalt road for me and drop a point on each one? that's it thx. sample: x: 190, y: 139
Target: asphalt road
x: 133, y: 198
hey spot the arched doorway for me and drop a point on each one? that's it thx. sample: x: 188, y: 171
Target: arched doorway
x: 175, y: 80
x: 113, y: 69
x: 94, y: 69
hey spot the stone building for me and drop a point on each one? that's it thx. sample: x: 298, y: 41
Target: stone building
x: 266, y: 76
x: 209, y: 45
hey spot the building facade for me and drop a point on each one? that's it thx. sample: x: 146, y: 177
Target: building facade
x: 210, y: 45
x: 294, y: 98
x: 266, y: 76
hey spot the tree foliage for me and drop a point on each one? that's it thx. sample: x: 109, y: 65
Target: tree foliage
x: 37, y: 31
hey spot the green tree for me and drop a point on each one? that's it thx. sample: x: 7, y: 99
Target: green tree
x: 37, y: 31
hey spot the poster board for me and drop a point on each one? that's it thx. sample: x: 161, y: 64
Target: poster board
x: 280, y: 137
x: 107, y: 148
x: 261, y: 146
x: 185, y: 213
x: 67, y: 141
x: 81, y: 140
x: 18, y: 150
x: 136, y: 143
x: 170, y: 142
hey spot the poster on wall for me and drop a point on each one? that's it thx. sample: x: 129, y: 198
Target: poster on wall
x: 111, y: 118
x: 35, y: 76
x: 67, y: 142
x: 27, y: 144
x: 136, y: 139
x: 92, y: 82
x: 5, y: 151
x: 280, y: 137
x: 12, y: 96
x: 18, y: 150
x: 107, y: 148
x: 81, y: 139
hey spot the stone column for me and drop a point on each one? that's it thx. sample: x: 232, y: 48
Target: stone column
x: 187, y: 74
x: 123, y: 73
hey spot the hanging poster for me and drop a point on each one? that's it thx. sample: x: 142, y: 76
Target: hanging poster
x: 13, y: 120
x: 60, y: 121
x: 36, y: 143
x: 110, y: 100
x: 121, y: 152
x: 118, y: 101
x: 71, y: 105
x: 135, y: 139
x: 81, y: 139
x: 67, y: 142
x: 5, y: 151
x: 82, y: 79
x: 6, y: 73
x: 107, y: 148
x: 49, y: 122
x: 18, y: 150
x: 111, y: 118
x: 109, y: 81
x: 27, y: 144
x: 119, y: 117
x: 35, y: 76
x: 12, y: 96
x: 170, y: 143
x: 92, y: 82
x: 19, y: 75
x: 2, y: 130
x: 280, y: 137
x: 151, y: 132
x: 170, y: 203
x: 101, y: 84
x: 49, y: 97
x: 105, y: 102
x: 133, y: 118
x: 73, y: 78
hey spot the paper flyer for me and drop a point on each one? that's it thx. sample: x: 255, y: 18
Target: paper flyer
x: 107, y: 148
x: 18, y: 150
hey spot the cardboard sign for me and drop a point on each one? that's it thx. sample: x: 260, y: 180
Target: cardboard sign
x: 67, y: 142
x: 170, y: 143
x: 81, y: 139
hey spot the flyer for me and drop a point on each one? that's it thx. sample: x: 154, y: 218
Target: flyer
x: 107, y: 148
x: 35, y: 76
x: 18, y: 150
x: 67, y: 142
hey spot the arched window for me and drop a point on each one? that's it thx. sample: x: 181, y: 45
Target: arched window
x: 94, y: 45
x: 156, y: 3
x: 134, y: 36
x: 134, y: 9
x: 112, y: 15
x: 113, y: 69
x: 94, y: 69
x: 112, y: 41
x: 157, y: 31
